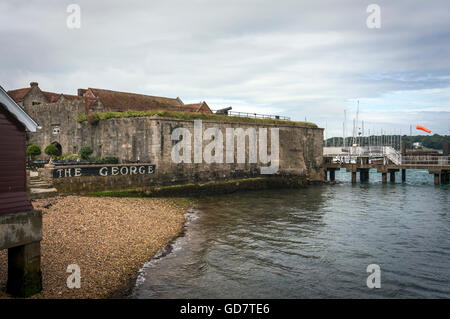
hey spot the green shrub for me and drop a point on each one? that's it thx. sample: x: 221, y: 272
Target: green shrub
x: 110, y: 160
x: 71, y: 157
x: 33, y: 150
x: 67, y: 157
x: 81, y: 117
x: 93, y: 118
x: 51, y: 150
x: 85, y: 152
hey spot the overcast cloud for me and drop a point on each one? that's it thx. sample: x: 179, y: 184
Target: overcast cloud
x: 303, y: 59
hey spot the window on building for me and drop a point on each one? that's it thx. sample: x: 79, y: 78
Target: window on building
x: 56, y: 130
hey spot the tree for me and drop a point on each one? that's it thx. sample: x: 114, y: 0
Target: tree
x: 51, y: 150
x: 33, y: 150
x: 85, y: 152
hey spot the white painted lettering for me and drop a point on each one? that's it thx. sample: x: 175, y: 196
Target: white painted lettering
x: 115, y: 170
x: 103, y: 171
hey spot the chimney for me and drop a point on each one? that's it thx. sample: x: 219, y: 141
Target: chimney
x: 81, y: 92
x: 33, y: 84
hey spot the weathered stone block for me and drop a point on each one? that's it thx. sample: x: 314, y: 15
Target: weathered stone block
x: 24, y: 270
x: 17, y: 229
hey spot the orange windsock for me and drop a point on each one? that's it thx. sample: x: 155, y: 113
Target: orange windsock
x: 420, y: 127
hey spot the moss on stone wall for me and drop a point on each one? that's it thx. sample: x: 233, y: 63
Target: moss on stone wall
x: 213, y: 188
x: 190, y: 116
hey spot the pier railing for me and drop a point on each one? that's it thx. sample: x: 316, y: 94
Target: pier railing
x: 393, y: 155
x: 371, y: 151
x: 388, y: 153
x: 426, y: 160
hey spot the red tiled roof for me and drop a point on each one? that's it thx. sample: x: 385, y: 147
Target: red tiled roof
x: 74, y: 97
x: 122, y: 101
x: 193, y: 107
x: 19, y: 94
x: 118, y: 101
x: 201, y: 107
x: 51, y: 96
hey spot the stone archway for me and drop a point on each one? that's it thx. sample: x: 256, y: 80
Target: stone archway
x: 59, y: 147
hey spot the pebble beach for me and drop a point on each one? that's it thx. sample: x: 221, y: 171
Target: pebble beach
x: 108, y: 238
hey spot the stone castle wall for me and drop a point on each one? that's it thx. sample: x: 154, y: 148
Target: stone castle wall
x: 148, y: 140
x: 56, y: 117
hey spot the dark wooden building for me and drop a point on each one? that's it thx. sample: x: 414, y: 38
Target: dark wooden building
x: 20, y: 225
x: 13, y: 124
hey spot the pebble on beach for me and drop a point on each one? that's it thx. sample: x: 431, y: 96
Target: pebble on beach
x: 108, y: 238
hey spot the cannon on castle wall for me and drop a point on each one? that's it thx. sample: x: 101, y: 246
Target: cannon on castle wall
x: 223, y: 111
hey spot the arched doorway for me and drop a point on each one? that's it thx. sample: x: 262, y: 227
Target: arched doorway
x: 59, y: 147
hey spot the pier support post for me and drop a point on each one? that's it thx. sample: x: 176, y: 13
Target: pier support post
x: 332, y: 175
x: 384, y: 177
x: 392, y: 176
x: 364, y: 175
x: 436, y: 179
x: 444, y: 177
x: 353, y: 177
x: 403, y: 175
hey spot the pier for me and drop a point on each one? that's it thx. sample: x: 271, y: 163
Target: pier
x: 386, y: 160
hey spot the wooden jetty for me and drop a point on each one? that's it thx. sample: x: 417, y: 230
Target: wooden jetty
x: 386, y: 160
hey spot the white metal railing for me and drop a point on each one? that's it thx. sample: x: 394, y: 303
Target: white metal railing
x: 393, y: 155
x: 255, y: 115
x: 360, y: 151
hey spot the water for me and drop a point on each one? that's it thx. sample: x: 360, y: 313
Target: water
x: 314, y: 242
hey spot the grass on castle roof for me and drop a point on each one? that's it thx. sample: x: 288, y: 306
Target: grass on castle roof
x: 191, y: 116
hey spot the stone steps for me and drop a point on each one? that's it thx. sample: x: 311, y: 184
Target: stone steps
x: 39, y: 188
x: 40, y: 185
x: 35, y: 193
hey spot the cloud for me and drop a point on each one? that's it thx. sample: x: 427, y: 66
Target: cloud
x: 297, y: 58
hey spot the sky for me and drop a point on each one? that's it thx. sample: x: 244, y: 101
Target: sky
x: 303, y: 59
